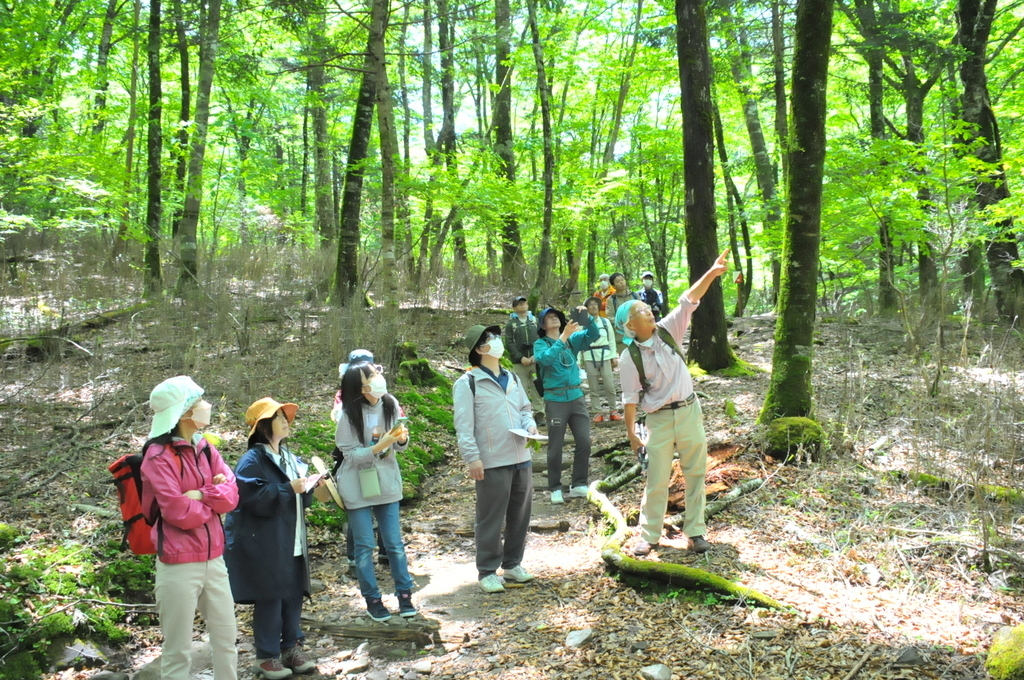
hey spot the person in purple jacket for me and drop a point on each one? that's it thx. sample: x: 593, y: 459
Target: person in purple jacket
x: 186, y: 486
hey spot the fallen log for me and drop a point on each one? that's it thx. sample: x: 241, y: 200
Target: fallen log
x: 722, y: 502
x: 421, y: 632
x: 672, y: 574
x: 619, y: 479
x: 50, y: 341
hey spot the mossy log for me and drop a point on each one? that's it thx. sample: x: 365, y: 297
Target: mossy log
x: 420, y: 373
x: 54, y: 340
x: 672, y: 574
x: 990, y: 491
x: 619, y: 479
x: 722, y: 502
x: 1005, y: 659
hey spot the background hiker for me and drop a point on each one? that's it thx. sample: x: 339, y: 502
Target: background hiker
x: 186, y: 486
x: 520, y: 331
x: 674, y: 418
x: 598, y: 361
x: 489, y: 402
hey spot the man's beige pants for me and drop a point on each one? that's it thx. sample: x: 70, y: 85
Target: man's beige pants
x: 180, y: 589
x: 671, y: 430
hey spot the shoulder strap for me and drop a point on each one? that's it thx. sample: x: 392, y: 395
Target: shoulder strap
x: 667, y: 338
x: 638, y: 361
x: 472, y: 383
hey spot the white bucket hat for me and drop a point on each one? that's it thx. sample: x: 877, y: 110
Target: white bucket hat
x: 170, y: 400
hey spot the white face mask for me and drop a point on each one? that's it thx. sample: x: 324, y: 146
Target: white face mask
x: 201, y: 413
x: 495, y: 348
x: 648, y: 283
x: 605, y: 285
x: 378, y: 386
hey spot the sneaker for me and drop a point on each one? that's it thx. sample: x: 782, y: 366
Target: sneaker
x: 297, y: 661
x: 599, y: 418
x: 271, y: 669
x: 376, y: 609
x: 518, y: 575
x: 578, y: 492
x: 492, y: 583
x: 556, y: 497
x: 615, y: 416
x: 699, y: 544
x: 405, y: 607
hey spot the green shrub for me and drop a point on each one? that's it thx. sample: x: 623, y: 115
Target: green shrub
x: 8, y: 536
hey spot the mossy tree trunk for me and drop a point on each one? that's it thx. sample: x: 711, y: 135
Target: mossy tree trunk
x: 789, y: 393
x: 709, y: 337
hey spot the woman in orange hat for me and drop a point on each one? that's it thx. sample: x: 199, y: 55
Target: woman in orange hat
x: 267, y: 556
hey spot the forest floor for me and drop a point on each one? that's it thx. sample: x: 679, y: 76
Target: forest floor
x: 868, y: 564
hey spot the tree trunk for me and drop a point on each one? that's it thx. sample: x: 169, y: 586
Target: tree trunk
x: 102, y: 69
x: 322, y: 184
x: 430, y: 222
x: 129, y: 137
x: 974, y: 20
x: 388, y: 153
x: 736, y: 213
x: 154, y: 147
x: 545, y: 263
x: 446, y: 139
x: 789, y: 392
x: 709, y: 336
x: 513, y: 266
x: 404, y: 214
x: 346, y: 277
x: 181, y: 147
x: 781, y: 120
x: 209, y: 36
x: 765, y: 171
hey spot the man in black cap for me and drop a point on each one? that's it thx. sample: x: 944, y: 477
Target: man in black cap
x: 520, y: 332
x: 652, y: 296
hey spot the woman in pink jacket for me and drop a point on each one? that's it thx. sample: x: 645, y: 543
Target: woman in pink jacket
x: 186, y: 486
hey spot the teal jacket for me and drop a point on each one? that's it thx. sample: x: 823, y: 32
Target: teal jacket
x: 557, y: 362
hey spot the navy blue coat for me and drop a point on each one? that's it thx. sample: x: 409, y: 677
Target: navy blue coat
x: 261, y: 531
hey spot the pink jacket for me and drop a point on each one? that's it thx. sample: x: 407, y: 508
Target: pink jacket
x: 188, y: 530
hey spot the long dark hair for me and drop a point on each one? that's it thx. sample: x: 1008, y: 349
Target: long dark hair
x: 163, y: 439
x: 353, y: 400
x: 263, y: 432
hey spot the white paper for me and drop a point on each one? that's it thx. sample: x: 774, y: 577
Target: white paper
x: 311, y: 481
x: 523, y: 433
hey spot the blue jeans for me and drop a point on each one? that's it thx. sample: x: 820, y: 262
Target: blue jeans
x: 361, y: 521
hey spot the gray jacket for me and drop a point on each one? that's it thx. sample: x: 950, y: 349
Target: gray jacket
x: 483, y: 423
x: 359, y: 457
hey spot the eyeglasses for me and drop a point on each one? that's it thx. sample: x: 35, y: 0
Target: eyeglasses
x: 638, y: 308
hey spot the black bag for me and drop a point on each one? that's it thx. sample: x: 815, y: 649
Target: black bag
x: 538, y: 382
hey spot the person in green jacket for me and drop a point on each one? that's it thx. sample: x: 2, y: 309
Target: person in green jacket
x: 555, y: 352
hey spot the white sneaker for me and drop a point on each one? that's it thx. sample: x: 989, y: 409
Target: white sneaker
x: 518, y: 575
x: 492, y: 583
x: 556, y: 497
x: 578, y: 492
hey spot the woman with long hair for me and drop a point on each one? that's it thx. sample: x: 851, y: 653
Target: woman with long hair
x: 186, y: 486
x: 371, y: 430
x: 267, y: 555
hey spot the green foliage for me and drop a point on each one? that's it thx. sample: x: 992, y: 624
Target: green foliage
x: 739, y: 369
x: 327, y: 515
x: 8, y: 536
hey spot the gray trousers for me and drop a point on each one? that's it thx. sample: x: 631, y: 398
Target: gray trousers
x: 574, y: 415
x: 503, y: 496
x: 526, y: 374
x: 600, y: 372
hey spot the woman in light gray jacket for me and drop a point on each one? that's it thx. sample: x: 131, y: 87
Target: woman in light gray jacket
x: 489, y: 402
x: 370, y: 434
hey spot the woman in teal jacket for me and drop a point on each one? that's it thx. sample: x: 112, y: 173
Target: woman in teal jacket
x: 564, y: 405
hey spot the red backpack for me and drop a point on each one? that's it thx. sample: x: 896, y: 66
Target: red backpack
x: 127, y: 471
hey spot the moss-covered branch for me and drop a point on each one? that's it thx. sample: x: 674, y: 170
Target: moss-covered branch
x: 722, y: 502
x: 672, y: 574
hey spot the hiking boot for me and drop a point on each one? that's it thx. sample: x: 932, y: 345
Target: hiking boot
x: 271, y: 669
x: 699, y: 544
x: 405, y: 607
x: 556, y: 497
x: 599, y: 418
x: 517, y: 575
x: 578, y: 492
x: 492, y: 583
x: 642, y: 548
x: 376, y: 609
x: 294, y: 659
x: 615, y: 416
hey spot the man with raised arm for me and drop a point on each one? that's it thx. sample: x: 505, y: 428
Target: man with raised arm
x: 653, y: 373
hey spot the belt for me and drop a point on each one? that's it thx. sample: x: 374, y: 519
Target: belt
x: 672, y: 406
